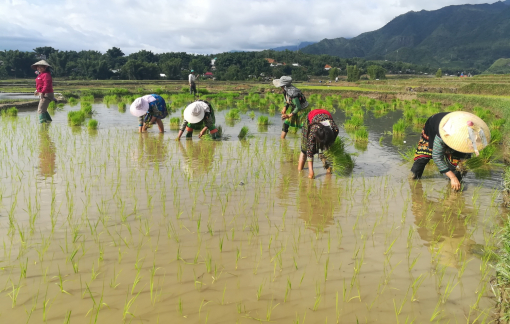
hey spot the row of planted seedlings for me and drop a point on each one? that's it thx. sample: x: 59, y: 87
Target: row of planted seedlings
x: 76, y: 118
x: 134, y: 228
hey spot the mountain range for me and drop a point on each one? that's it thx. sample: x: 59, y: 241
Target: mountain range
x: 459, y: 36
x: 294, y: 47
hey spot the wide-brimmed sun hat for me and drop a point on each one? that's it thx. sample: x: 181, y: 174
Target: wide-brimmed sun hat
x: 41, y: 62
x: 464, y: 132
x: 139, y: 107
x: 195, y: 112
x: 283, y: 81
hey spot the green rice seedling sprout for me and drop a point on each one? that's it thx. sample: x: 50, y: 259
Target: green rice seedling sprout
x: 263, y: 120
x: 10, y: 112
x: 361, y: 135
x: 233, y: 114
x: 92, y: 124
x: 399, y: 128
x: 129, y: 303
x: 244, y: 132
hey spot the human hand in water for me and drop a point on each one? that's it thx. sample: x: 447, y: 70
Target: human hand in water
x: 455, y: 184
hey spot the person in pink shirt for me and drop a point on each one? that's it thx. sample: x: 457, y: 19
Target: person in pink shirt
x: 44, y: 89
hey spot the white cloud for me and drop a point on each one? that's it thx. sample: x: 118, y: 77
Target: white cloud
x: 200, y: 26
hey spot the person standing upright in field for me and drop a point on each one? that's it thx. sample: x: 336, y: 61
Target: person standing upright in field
x: 191, y: 80
x: 44, y: 89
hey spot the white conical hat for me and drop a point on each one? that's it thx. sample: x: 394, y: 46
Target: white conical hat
x: 195, y: 112
x: 139, y: 107
x: 464, y: 132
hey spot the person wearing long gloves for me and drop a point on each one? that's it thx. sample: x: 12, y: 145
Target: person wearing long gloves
x: 449, y: 138
x: 294, y: 99
x: 319, y: 133
x: 199, y: 115
x: 44, y: 89
x: 149, y: 109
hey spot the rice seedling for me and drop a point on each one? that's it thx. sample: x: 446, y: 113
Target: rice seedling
x: 72, y: 101
x: 76, y: 118
x: 92, y: 124
x: 361, y: 135
x: 341, y: 161
x: 244, y: 132
x: 399, y: 128
x: 353, y: 123
x: 10, y: 112
x: 263, y: 120
x: 233, y: 114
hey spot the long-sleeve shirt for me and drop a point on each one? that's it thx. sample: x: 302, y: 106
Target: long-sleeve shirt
x: 44, y: 83
x: 192, y: 78
x: 440, y: 152
x: 324, y: 119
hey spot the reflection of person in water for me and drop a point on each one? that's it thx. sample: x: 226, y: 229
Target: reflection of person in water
x: 442, y: 222
x: 152, y: 147
x: 47, y: 153
x: 317, y: 203
x: 198, y: 156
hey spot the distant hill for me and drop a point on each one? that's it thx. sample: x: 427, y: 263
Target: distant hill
x: 465, y: 36
x: 501, y: 66
x: 295, y: 47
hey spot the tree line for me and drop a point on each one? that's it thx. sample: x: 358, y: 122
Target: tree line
x: 146, y: 65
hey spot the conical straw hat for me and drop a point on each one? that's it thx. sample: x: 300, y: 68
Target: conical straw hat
x: 464, y: 132
x: 41, y: 62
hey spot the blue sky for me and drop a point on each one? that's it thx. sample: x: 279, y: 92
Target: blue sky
x: 199, y: 26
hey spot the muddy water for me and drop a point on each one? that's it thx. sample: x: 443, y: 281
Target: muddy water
x: 110, y: 225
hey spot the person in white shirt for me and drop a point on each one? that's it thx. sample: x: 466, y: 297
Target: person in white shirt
x: 192, y: 87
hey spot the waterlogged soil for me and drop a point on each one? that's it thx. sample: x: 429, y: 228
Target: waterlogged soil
x: 108, y: 225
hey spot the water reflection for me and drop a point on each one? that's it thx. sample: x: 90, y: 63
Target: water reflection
x: 442, y: 223
x: 152, y: 148
x: 317, y: 202
x: 198, y: 156
x: 47, y: 153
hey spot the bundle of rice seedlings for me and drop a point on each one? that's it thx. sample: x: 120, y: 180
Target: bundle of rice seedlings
x: 354, y: 123
x: 92, y: 124
x: 86, y: 108
x: 263, y: 120
x: 399, y: 128
x: 244, y: 132
x: 233, y: 114
x: 76, y: 118
x: 10, y: 112
x: 72, y: 101
x: 340, y: 160
x: 175, y: 121
x: 361, y: 135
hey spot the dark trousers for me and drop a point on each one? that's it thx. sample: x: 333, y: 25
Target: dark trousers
x: 193, y: 88
x: 419, y: 166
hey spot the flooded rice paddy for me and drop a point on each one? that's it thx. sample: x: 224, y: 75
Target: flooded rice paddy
x: 109, y: 225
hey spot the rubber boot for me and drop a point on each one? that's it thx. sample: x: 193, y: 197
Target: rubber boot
x: 42, y: 118
x: 48, y: 117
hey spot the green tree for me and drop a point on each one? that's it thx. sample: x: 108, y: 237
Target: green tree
x: 439, y: 73
x: 172, y: 68
x: 198, y: 66
x: 333, y: 73
x: 353, y: 73
x: 376, y: 72
x: 46, y: 51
